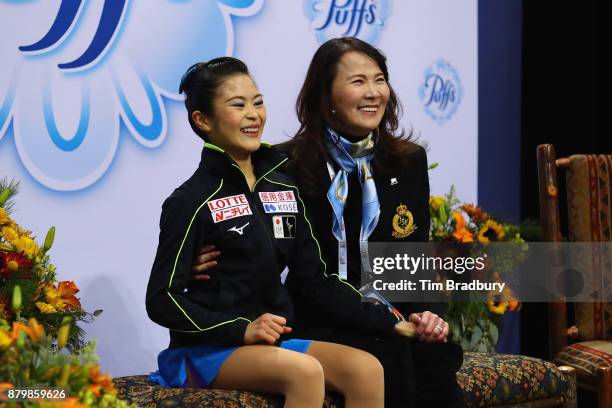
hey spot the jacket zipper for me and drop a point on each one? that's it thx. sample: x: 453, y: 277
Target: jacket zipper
x: 256, y: 206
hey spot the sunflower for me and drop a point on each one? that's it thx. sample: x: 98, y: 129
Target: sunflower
x: 497, y: 307
x: 491, y: 231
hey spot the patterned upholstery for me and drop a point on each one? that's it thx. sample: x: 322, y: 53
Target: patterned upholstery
x: 138, y: 390
x: 586, y: 357
x: 507, y: 379
x: 486, y: 380
x: 589, y: 203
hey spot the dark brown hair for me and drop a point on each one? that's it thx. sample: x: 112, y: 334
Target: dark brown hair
x: 313, y: 109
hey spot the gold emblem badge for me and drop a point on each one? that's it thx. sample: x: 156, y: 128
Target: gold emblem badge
x: 403, y: 222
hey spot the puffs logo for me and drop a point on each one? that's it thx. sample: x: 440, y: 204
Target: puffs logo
x: 363, y: 19
x: 441, y: 91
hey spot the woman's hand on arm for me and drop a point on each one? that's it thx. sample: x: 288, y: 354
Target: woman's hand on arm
x: 205, y: 261
x: 429, y: 327
x: 267, y: 329
x: 404, y: 328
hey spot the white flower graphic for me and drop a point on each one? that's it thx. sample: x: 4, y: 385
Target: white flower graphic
x: 75, y: 71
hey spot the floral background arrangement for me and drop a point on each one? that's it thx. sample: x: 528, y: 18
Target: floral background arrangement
x: 472, y: 322
x: 25, y: 264
x: 41, y: 344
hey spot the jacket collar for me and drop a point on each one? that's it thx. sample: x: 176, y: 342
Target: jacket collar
x: 216, y: 161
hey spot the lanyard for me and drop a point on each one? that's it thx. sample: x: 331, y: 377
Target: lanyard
x: 342, y: 243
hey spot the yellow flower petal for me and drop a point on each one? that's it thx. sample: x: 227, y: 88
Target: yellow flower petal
x: 5, y: 339
x: 45, y: 307
x: 10, y: 235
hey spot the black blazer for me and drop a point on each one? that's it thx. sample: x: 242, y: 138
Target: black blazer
x: 397, y: 184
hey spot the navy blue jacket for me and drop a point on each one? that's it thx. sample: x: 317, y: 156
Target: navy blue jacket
x: 259, y: 233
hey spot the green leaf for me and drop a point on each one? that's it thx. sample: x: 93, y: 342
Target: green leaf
x: 98, y: 312
x: 476, y: 336
x: 493, y: 333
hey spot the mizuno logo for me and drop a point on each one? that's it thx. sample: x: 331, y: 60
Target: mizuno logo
x: 240, y: 230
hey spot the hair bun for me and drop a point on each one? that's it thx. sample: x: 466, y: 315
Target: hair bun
x: 186, y: 76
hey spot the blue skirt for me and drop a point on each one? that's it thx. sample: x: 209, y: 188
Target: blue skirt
x: 197, y: 367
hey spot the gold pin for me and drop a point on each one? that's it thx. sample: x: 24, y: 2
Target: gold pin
x: 403, y: 222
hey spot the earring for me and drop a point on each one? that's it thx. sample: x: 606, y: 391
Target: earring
x: 333, y: 111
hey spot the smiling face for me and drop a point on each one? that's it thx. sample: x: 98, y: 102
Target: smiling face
x: 239, y: 117
x: 359, y: 95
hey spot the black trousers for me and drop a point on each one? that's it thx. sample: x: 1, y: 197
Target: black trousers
x: 417, y: 374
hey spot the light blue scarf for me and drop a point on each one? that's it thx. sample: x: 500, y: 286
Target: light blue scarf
x: 352, y: 157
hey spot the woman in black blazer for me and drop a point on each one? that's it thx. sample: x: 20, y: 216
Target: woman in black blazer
x: 356, y: 173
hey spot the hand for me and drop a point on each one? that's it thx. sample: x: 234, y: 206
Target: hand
x: 429, y: 327
x: 404, y: 328
x: 267, y: 328
x: 205, y: 261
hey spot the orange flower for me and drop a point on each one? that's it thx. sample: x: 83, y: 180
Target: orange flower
x: 508, y: 296
x: 100, y: 381
x: 461, y: 234
x: 514, y: 305
x: 19, y: 327
x: 476, y: 213
x: 73, y: 402
x: 66, y: 291
x: 36, y: 330
x: 61, y: 297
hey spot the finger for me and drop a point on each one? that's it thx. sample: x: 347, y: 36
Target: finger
x: 431, y: 324
x: 414, y: 318
x: 287, y: 329
x: 204, y: 266
x: 444, y: 334
x: 202, y: 277
x: 273, y: 334
x: 441, y: 333
x: 275, y: 318
x: 275, y: 327
x: 208, y: 256
x: 263, y: 335
x: 206, y: 249
x: 419, y: 325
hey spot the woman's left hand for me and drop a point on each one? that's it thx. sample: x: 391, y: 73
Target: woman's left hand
x: 429, y: 326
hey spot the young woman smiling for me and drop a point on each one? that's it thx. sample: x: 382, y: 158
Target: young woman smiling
x: 230, y: 331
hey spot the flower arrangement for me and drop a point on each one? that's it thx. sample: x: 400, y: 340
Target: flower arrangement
x: 28, y: 359
x: 474, y: 323
x: 41, y: 345
x: 25, y: 264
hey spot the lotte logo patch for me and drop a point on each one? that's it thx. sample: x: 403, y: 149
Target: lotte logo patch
x: 226, y: 208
